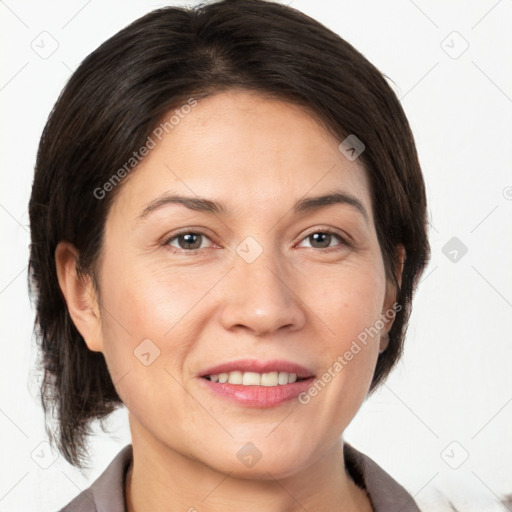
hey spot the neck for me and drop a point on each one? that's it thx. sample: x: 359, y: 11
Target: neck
x: 161, y: 479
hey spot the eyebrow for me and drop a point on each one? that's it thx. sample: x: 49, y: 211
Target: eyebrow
x: 201, y: 204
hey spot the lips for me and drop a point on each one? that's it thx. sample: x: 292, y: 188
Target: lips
x: 256, y: 383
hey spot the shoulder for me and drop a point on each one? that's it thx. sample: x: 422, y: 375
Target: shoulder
x: 385, y: 493
x: 106, y: 493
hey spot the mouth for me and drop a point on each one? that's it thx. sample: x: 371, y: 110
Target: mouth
x: 269, y: 379
x: 254, y: 372
x: 256, y: 383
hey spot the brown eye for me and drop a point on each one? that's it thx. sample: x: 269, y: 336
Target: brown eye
x: 187, y: 241
x: 324, y: 239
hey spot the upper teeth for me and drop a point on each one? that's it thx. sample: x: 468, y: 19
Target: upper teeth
x: 254, y: 379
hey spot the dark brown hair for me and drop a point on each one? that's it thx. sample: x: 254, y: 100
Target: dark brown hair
x: 118, y: 95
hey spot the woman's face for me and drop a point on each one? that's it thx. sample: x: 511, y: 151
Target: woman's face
x: 253, y: 280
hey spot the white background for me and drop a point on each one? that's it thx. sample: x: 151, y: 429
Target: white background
x: 450, y: 397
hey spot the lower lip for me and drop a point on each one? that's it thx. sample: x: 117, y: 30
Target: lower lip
x: 258, y: 396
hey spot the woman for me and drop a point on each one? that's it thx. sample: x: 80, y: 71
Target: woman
x: 228, y: 223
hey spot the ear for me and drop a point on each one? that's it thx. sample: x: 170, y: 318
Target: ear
x: 80, y: 296
x: 390, y: 298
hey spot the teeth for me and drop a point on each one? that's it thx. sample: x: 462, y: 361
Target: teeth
x: 251, y: 379
x: 270, y: 379
x: 254, y: 379
x: 235, y: 377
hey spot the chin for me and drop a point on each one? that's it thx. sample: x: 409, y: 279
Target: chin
x: 253, y: 461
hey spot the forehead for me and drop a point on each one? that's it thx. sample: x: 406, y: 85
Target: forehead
x: 247, y: 151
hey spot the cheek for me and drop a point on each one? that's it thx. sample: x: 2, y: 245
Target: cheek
x: 135, y: 313
x: 149, y: 300
x: 350, y: 309
x: 348, y: 300
x: 151, y: 317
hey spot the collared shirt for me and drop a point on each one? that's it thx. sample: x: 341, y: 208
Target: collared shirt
x: 107, y: 492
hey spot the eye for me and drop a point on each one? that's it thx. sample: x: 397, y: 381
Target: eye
x: 187, y: 241
x: 190, y: 241
x: 324, y: 239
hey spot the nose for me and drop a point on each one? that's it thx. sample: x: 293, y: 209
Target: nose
x: 259, y: 297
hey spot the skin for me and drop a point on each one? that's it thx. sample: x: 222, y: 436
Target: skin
x: 295, y: 301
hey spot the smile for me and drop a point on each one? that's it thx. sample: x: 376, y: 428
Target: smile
x: 255, y: 379
x: 256, y: 383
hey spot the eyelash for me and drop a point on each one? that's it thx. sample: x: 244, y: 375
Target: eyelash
x: 326, y: 231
